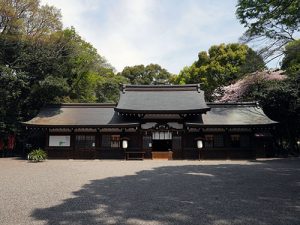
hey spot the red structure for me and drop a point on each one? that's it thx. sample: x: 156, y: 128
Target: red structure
x: 11, y: 142
x: 1, y: 145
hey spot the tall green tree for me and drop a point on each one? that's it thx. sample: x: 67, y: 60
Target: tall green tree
x: 84, y: 66
x: 291, y: 60
x: 150, y: 74
x: 108, y: 88
x: 270, y: 24
x: 14, y: 87
x: 281, y: 102
x: 40, y: 63
x: 221, y: 65
x: 28, y: 17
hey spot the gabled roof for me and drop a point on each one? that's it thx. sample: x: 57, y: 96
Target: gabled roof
x: 233, y: 114
x: 162, y: 99
x: 80, y: 115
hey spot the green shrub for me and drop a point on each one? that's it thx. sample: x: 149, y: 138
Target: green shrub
x: 37, y: 155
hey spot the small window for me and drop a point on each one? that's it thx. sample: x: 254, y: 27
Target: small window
x: 218, y: 140
x: 59, y: 141
x: 85, y: 141
x: 115, y: 141
x: 105, y: 141
x: 245, y: 141
x: 235, y: 140
x: 209, y: 141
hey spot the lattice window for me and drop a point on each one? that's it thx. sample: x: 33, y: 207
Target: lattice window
x: 218, y: 140
x: 209, y: 141
x: 105, y: 141
x: 245, y: 141
x: 85, y: 141
x: 235, y: 140
x: 115, y: 141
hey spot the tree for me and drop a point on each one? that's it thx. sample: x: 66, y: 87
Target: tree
x: 278, y: 95
x: 108, y: 88
x: 27, y: 17
x: 13, y: 88
x: 281, y: 102
x: 150, y: 74
x: 40, y: 63
x: 278, y: 92
x: 221, y: 65
x: 271, y: 24
x: 291, y: 60
x: 84, y: 66
x: 244, y: 88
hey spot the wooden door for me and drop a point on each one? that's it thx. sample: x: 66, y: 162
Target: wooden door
x: 177, y: 147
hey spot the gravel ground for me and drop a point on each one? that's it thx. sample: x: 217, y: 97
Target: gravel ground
x: 82, y: 192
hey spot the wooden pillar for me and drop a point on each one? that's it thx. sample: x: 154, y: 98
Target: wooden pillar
x: 252, y: 144
x: 182, y: 139
x: 227, y: 142
x: 98, y: 144
x: 73, y: 143
x: 47, y: 137
x: 201, y: 134
x: 183, y: 143
x: 47, y: 141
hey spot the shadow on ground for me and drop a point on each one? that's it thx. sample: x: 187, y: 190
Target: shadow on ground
x: 265, y: 193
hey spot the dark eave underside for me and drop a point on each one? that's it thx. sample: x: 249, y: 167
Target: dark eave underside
x: 135, y: 111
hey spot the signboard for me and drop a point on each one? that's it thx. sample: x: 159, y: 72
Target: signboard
x: 59, y: 141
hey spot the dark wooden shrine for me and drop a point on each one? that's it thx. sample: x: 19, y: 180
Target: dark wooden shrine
x: 156, y: 122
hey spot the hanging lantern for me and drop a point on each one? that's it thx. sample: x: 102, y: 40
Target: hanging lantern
x: 199, y: 144
x: 124, y: 144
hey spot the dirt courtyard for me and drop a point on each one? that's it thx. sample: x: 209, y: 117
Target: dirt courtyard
x: 83, y: 192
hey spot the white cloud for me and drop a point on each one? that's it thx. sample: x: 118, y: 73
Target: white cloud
x: 73, y: 10
x: 167, y: 32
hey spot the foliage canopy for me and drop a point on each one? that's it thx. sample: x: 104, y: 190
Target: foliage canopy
x: 291, y: 60
x: 221, y: 65
x: 40, y: 63
x: 271, y: 24
x: 150, y: 74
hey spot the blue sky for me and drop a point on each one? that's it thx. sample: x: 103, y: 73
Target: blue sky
x: 167, y: 32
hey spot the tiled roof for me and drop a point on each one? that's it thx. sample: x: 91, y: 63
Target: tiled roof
x: 82, y: 115
x: 162, y: 99
x: 233, y: 114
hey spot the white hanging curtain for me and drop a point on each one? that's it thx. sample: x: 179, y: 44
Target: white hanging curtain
x: 162, y: 135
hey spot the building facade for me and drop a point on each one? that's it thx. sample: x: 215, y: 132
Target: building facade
x: 153, y: 122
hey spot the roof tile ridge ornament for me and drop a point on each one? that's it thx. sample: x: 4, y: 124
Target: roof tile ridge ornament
x: 198, y: 88
x: 123, y: 88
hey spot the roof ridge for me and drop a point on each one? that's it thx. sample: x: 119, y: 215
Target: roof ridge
x: 232, y: 103
x: 166, y: 87
x: 74, y: 105
x: 160, y: 85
